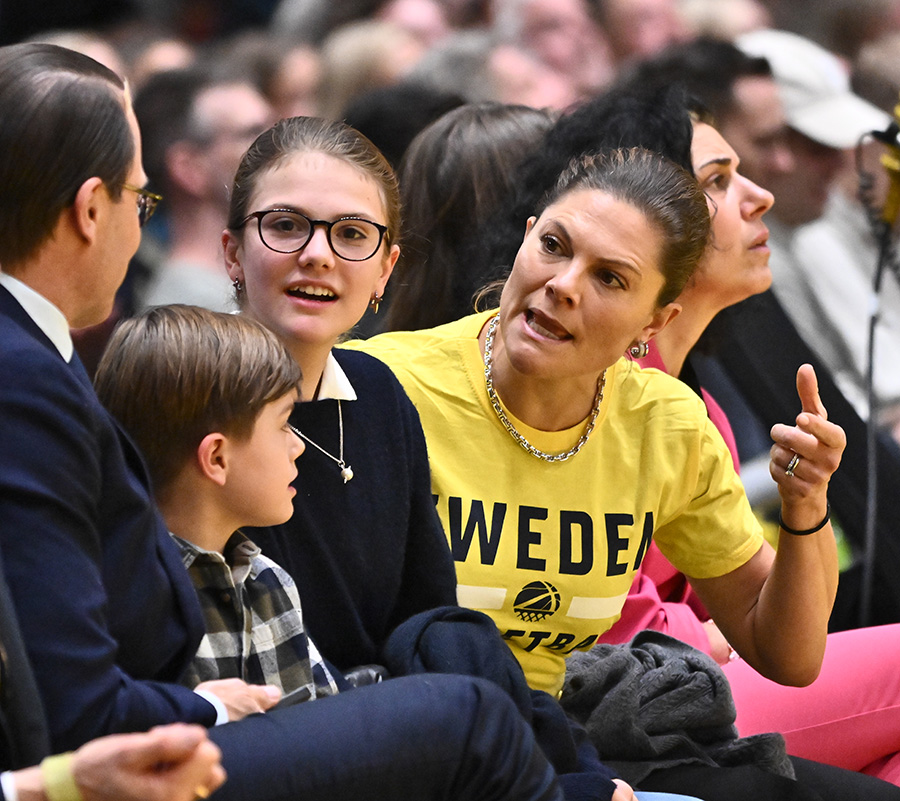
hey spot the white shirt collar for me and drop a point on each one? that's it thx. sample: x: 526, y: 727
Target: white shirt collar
x: 46, y: 316
x: 334, y: 384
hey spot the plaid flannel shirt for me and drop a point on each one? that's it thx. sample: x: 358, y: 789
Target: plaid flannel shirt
x: 254, y: 624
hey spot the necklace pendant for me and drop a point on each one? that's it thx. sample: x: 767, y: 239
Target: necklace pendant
x: 346, y: 473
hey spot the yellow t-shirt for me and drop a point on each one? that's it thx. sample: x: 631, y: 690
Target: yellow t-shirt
x: 549, y: 550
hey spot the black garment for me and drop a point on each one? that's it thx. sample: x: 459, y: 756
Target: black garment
x: 24, y: 739
x: 455, y: 640
x: 760, y: 350
x: 815, y: 782
x: 368, y: 554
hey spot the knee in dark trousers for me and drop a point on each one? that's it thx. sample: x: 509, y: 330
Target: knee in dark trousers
x: 423, y: 737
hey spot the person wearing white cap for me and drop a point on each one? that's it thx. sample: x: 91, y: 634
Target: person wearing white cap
x: 823, y: 251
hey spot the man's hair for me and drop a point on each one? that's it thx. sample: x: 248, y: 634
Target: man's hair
x: 62, y: 121
x: 166, y: 107
x: 706, y: 68
x: 177, y: 373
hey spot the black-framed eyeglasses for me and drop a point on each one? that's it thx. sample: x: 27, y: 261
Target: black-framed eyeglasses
x: 288, y: 231
x: 146, y: 203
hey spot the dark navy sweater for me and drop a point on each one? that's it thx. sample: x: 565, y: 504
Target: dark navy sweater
x: 368, y: 554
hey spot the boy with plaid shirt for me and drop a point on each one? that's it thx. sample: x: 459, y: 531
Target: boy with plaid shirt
x: 207, y: 396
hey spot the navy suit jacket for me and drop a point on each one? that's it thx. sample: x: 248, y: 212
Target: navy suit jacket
x: 107, y: 612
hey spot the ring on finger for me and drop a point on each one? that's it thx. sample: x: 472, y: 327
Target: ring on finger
x: 792, y: 465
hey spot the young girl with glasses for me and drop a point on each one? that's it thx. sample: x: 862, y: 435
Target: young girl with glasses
x: 310, y: 244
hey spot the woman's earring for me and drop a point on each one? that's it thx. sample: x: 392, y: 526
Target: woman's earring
x: 238, y: 286
x: 639, y: 349
x: 375, y: 302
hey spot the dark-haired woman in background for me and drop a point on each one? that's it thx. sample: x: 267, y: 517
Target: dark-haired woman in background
x: 453, y: 177
x: 849, y: 716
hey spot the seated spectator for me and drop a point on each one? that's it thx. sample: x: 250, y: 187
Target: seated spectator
x: 758, y: 371
x: 477, y: 66
x: 425, y: 19
x: 195, y: 125
x: 824, y: 289
x: 361, y: 56
x: 827, y: 721
x: 453, y: 178
x: 637, y: 29
x: 559, y: 288
x: 562, y: 35
x: 221, y: 456
x: 285, y: 71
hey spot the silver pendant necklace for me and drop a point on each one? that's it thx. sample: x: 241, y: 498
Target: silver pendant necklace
x: 346, y: 470
x: 507, y: 423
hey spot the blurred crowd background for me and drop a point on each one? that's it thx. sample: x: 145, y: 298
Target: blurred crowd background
x: 322, y: 55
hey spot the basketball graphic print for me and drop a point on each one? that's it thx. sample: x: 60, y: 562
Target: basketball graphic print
x: 535, y: 601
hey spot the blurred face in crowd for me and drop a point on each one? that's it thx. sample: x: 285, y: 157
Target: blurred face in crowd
x: 798, y: 171
x: 641, y: 28
x: 229, y: 117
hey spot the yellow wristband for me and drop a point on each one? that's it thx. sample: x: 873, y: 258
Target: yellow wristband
x: 59, y: 783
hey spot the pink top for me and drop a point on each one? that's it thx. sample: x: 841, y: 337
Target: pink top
x: 661, y: 598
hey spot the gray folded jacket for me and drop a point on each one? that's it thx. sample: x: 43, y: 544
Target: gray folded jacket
x: 657, y: 703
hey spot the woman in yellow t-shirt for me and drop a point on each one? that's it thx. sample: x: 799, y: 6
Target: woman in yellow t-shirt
x: 554, y: 460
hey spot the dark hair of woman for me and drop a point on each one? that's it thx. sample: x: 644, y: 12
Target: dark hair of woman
x: 452, y: 178
x: 294, y: 135
x: 613, y: 119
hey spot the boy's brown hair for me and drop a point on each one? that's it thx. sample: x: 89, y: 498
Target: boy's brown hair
x: 177, y: 373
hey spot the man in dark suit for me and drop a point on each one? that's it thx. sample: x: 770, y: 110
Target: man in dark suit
x: 76, y: 521
x: 108, y: 615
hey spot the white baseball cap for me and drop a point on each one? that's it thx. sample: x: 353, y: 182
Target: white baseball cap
x: 814, y: 87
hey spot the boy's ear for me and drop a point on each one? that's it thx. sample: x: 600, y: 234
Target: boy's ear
x: 212, y: 457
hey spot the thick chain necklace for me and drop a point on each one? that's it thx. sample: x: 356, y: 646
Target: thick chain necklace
x: 507, y: 423
x: 346, y: 470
